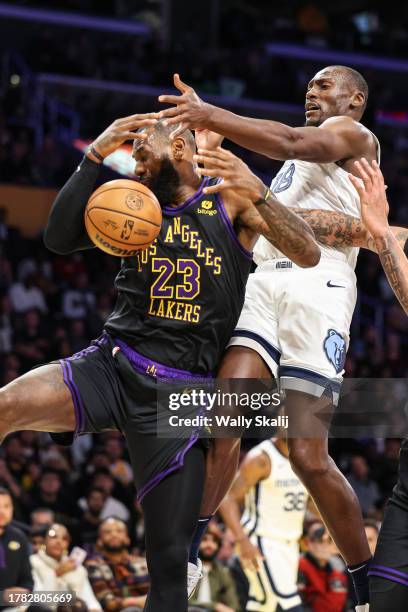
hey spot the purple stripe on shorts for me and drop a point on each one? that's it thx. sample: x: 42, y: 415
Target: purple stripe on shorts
x: 387, y: 576
x: 176, y: 464
x: 229, y: 226
x: 75, y: 394
x: 391, y: 570
x: 96, y: 344
x: 2, y: 557
x: 157, y: 370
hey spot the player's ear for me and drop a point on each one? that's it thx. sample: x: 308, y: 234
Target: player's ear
x: 178, y: 147
x: 358, y: 100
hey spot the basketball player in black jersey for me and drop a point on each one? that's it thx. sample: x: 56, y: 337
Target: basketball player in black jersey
x: 389, y: 570
x: 178, y: 302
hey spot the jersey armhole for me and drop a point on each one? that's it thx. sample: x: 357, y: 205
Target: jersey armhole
x: 230, y: 227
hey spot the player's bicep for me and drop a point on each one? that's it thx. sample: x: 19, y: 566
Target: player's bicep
x: 321, y: 145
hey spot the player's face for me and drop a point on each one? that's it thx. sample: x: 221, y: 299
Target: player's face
x: 156, y: 170
x: 327, y: 95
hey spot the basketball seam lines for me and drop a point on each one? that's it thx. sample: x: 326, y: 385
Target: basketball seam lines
x: 115, y: 239
x: 122, y: 213
x: 125, y: 188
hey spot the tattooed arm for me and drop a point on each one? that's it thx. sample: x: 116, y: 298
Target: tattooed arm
x: 241, y: 189
x: 339, y: 230
x: 374, y: 211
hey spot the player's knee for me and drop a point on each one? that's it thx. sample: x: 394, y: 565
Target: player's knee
x: 7, y: 409
x: 307, y: 461
x: 169, y: 563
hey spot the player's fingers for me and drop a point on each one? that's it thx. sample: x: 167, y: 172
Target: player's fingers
x: 182, y: 127
x: 212, y: 162
x: 356, y: 183
x: 149, y: 118
x: 173, y: 111
x: 170, y: 99
x: 218, y: 153
x: 366, y: 178
x: 183, y: 87
x: 367, y: 167
x: 207, y: 172
x: 378, y: 173
x: 135, y: 135
x: 217, y: 188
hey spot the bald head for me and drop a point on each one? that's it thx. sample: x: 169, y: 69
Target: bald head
x: 158, y: 136
x: 354, y: 79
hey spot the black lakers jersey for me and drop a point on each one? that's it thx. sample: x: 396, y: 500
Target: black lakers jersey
x: 179, y: 300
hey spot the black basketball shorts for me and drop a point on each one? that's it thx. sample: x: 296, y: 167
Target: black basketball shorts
x: 114, y: 387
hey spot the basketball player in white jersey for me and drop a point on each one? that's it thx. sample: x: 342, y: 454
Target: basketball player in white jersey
x: 295, y: 322
x: 269, y: 530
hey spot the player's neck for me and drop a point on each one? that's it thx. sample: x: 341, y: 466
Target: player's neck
x: 189, y: 184
x: 282, y: 447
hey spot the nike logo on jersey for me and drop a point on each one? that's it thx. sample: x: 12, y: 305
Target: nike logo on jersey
x: 329, y: 284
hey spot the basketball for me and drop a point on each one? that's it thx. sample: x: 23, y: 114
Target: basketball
x: 122, y: 217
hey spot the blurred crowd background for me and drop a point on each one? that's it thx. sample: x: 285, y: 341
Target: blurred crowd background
x: 247, y: 56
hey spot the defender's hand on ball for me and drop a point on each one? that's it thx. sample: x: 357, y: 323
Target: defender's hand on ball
x: 235, y: 173
x: 189, y: 110
x: 122, y: 130
x: 374, y: 204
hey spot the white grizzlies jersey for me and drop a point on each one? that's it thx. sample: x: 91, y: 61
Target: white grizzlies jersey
x: 309, y: 185
x: 276, y: 506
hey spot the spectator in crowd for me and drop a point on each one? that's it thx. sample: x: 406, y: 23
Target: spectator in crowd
x: 119, y: 579
x: 51, y: 494
x: 216, y: 591
x: 322, y: 587
x: 78, y: 301
x: 365, y: 488
x: 372, y: 530
x: 119, y: 467
x: 54, y: 571
x: 25, y: 295
x: 91, y: 517
x: 37, y: 538
x: 42, y: 517
x: 103, y: 479
x: 15, y: 571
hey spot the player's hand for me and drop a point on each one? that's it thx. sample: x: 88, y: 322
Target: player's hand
x: 189, y: 110
x: 249, y: 555
x: 235, y: 173
x: 205, y: 139
x: 373, y: 200
x: 122, y: 130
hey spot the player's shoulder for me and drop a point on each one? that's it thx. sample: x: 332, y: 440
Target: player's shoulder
x: 344, y: 123
x: 259, y: 456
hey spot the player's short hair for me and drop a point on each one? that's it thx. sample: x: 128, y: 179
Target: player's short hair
x: 356, y: 80
x: 159, y: 135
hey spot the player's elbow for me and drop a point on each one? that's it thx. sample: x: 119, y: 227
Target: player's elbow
x: 54, y: 243
x: 310, y: 256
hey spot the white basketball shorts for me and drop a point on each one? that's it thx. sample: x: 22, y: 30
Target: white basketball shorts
x: 275, y: 583
x: 298, y: 320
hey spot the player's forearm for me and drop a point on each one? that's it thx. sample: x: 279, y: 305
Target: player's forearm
x: 231, y: 515
x: 289, y: 233
x: 395, y: 265
x: 269, y: 138
x: 65, y: 230
x: 335, y: 229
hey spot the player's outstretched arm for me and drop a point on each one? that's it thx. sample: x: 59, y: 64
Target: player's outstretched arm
x: 255, y: 467
x: 65, y: 230
x: 374, y: 212
x: 258, y: 209
x: 336, y: 139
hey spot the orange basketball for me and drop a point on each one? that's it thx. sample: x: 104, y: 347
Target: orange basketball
x: 123, y: 217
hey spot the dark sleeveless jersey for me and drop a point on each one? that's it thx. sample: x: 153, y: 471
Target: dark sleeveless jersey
x: 179, y: 300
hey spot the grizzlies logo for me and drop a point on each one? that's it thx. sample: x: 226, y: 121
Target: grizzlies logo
x: 335, y: 348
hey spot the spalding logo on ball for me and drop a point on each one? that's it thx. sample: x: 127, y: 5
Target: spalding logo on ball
x: 123, y: 217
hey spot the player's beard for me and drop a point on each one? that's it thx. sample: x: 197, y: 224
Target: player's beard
x: 166, y: 183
